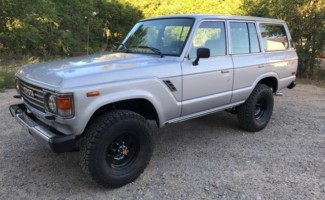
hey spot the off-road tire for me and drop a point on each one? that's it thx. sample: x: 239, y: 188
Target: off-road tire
x: 98, y: 152
x: 256, y: 112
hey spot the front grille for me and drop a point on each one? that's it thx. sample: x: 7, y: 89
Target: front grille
x: 32, y: 95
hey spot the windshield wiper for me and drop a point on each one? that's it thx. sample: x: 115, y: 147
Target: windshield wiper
x: 125, y: 49
x: 153, y: 49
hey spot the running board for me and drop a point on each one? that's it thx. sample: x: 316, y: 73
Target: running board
x: 200, y: 114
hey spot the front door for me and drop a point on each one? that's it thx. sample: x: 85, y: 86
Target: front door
x: 207, y: 85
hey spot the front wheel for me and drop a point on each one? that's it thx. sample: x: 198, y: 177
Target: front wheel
x: 117, y: 148
x: 256, y: 112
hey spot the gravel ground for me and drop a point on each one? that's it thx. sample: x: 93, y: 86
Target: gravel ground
x: 205, y: 158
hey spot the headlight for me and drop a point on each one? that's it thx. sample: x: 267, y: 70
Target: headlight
x: 52, y: 103
x: 61, y: 105
x: 17, y: 86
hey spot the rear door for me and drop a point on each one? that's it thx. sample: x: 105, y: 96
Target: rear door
x: 248, y: 58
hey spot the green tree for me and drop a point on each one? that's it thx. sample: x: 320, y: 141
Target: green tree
x: 57, y: 27
x: 24, y: 23
x: 117, y: 18
x: 152, y: 8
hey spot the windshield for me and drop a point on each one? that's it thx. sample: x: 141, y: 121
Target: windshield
x: 159, y: 36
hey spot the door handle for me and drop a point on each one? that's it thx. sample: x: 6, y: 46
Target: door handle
x: 261, y: 66
x: 224, y: 71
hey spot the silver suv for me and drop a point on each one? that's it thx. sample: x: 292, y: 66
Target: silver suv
x: 167, y: 69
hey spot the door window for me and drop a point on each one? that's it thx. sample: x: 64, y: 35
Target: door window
x: 210, y: 35
x: 244, y: 38
x: 239, y: 38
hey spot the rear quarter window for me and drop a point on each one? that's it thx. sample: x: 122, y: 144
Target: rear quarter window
x: 274, y: 37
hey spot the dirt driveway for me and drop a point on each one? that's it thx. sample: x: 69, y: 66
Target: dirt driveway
x: 204, y: 158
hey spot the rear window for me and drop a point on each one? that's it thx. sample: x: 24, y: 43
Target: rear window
x: 274, y: 37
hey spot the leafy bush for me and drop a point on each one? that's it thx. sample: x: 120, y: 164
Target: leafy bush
x: 50, y: 27
x: 7, y: 79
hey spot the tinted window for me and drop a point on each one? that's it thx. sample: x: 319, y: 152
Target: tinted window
x: 239, y: 38
x: 274, y: 37
x: 253, y: 39
x: 210, y: 35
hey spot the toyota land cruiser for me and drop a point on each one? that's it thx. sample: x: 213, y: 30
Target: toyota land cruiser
x: 167, y: 69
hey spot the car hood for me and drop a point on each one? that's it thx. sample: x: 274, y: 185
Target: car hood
x: 86, y: 68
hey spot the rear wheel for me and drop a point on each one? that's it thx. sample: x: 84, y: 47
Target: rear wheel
x: 256, y: 112
x: 116, y: 149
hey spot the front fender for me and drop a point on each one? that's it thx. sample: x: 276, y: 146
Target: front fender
x: 153, y: 90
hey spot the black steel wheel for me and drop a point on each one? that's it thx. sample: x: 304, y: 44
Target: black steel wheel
x: 117, y: 148
x: 256, y: 112
x: 122, y: 151
x: 260, y: 108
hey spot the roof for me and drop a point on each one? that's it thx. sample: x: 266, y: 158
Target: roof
x: 211, y: 16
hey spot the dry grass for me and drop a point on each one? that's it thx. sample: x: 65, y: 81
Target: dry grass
x: 7, y: 78
x: 319, y: 82
x: 9, y: 65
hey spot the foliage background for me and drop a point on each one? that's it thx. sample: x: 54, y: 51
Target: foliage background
x: 59, y: 27
x: 48, y: 29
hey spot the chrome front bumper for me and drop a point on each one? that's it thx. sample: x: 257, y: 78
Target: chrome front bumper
x: 54, y: 140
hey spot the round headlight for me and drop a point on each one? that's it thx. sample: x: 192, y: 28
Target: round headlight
x: 17, y: 86
x: 52, y: 103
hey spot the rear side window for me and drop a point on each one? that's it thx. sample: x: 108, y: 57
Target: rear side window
x: 244, y: 38
x: 274, y: 37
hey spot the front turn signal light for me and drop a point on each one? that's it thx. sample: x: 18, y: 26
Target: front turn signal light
x: 64, y: 105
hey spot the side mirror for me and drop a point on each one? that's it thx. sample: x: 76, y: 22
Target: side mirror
x: 201, y: 53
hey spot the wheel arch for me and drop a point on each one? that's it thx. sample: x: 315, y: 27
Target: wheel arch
x: 270, y: 81
x: 142, y: 106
